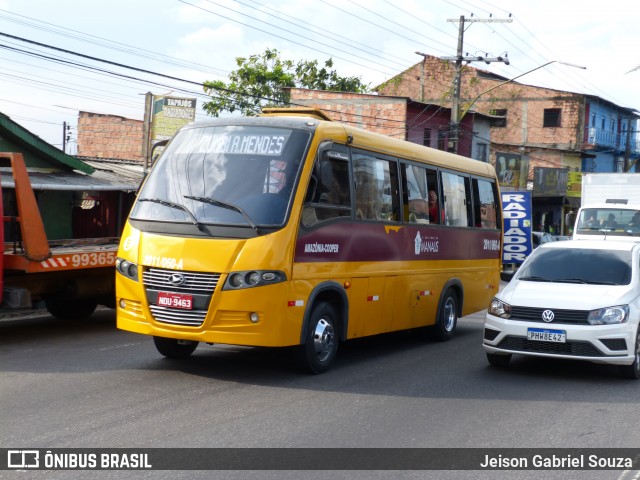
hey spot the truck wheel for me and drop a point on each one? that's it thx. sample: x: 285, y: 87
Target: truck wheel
x: 321, y: 346
x: 70, y: 309
x: 172, y: 348
x: 633, y: 371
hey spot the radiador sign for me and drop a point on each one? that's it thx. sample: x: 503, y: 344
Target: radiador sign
x: 169, y: 114
x: 516, y: 210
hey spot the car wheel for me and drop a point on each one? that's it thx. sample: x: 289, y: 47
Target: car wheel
x: 172, y: 348
x: 633, y: 371
x: 447, y: 320
x: 318, y: 352
x: 497, y: 360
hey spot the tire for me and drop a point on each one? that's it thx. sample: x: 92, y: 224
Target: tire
x: 633, y: 371
x: 447, y: 320
x: 172, y: 348
x: 321, y: 346
x: 65, y: 309
x: 497, y: 360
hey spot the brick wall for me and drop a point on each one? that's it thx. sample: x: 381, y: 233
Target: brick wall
x: 109, y: 136
x: 524, y: 132
x: 385, y: 115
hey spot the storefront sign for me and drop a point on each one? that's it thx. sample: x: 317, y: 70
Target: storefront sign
x: 516, y: 209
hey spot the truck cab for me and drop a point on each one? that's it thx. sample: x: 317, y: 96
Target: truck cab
x: 610, y: 207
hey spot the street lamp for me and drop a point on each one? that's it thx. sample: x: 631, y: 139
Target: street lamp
x: 466, y: 110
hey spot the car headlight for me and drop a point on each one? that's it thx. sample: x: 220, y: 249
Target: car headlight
x: 609, y: 315
x: 500, y: 309
x: 253, y: 278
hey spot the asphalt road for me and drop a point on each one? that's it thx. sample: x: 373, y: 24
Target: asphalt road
x: 87, y: 384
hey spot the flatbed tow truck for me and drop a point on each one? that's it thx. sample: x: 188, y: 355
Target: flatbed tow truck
x: 69, y: 278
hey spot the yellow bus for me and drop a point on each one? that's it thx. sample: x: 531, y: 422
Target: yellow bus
x: 289, y: 229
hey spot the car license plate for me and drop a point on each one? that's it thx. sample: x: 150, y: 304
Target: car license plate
x: 175, y: 300
x: 546, y: 335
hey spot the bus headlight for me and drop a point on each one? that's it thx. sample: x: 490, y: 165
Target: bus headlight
x: 253, y: 278
x: 127, y: 268
x: 500, y: 309
x: 609, y: 315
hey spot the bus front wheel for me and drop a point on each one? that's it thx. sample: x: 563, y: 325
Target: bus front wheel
x: 319, y: 350
x: 172, y: 348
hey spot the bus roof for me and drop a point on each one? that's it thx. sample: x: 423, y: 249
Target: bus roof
x: 300, y: 117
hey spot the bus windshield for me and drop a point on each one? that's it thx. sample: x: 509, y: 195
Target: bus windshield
x: 224, y: 175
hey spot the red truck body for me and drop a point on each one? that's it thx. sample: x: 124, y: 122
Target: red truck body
x: 71, y: 277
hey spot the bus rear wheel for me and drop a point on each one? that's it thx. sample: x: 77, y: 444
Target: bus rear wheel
x: 321, y: 346
x: 172, y: 348
x: 447, y: 320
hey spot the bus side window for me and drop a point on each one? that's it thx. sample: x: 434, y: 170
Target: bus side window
x: 332, y: 201
x: 376, y: 182
x: 457, y: 199
x: 420, y: 200
x: 484, y: 204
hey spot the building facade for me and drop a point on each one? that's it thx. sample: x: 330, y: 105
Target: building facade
x: 400, y: 117
x: 545, y: 135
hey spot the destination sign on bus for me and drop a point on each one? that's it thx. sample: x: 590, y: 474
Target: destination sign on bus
x: 243, y: 144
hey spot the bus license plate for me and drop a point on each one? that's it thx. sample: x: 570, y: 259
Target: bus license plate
x: 545, y: 335
x: 175, y: 300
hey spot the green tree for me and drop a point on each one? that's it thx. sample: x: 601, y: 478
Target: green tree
x: 259, y: 80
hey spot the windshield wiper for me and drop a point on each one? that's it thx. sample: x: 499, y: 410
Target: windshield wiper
x: 587, y: 282
x: 228, y: 206
x: 177, y: 206
x: 534, y: 279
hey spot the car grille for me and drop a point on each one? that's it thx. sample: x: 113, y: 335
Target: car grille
x: 534, y: 314
x: 197, y: 284
x: 575, y: 348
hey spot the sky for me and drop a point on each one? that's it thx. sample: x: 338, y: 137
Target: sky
x: 44, y: 83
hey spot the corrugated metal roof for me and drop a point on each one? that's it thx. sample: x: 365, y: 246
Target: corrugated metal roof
x: 117, y: 172
x: 108, y: 175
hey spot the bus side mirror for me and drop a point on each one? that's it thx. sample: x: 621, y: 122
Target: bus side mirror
x: 570, y: 219
x: 155, y: 146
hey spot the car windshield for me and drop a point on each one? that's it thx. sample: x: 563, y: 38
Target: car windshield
x: 578, y: 265
x: 224, y: 175
x: 612, y: 220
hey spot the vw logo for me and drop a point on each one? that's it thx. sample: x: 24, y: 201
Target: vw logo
x: 548, y: 316
x: 176, y: 279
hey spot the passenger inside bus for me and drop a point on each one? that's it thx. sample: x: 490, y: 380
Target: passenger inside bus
x: 434, y: 217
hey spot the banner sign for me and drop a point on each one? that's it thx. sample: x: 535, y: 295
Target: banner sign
x: 169, y: 114
x: 516, y: 210
x: 550, y: 182
x: 512, y: 170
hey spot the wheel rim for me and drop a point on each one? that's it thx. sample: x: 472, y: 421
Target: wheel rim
x: 449, y: 313
x: 323, y: 340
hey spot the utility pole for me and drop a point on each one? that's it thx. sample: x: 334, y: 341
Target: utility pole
x: 146, y: 130
x: 424, y: 59
x: 454, y: 127
x: 66, y: 135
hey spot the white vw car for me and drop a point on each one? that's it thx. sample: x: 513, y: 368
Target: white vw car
x: 578, y: 299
